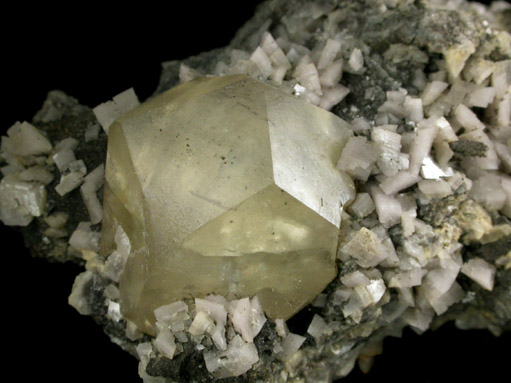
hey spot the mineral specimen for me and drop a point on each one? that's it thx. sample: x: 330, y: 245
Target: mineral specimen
x: 425, y: 90
x: 227, y: 186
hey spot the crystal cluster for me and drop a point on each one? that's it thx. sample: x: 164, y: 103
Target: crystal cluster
x: 225, y: 185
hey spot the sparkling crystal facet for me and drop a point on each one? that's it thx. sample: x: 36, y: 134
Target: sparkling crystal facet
x: 228, y: 186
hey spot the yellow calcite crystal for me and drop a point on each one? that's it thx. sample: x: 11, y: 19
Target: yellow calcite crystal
x: 228, y: 186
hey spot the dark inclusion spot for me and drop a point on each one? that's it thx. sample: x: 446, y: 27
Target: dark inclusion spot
x: 469, y: 148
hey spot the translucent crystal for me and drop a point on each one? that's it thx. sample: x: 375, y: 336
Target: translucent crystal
x: 225, y: 186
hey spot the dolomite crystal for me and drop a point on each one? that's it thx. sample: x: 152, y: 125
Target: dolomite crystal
x: 226, y: 186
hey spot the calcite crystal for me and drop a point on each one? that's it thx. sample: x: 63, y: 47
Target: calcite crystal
x: 227, y: 186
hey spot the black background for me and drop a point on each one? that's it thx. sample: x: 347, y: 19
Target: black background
x: 93, y: 52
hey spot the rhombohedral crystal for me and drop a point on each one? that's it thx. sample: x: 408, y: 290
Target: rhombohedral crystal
x: 227, y: 186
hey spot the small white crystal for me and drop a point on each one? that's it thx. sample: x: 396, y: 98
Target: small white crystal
x: 92, y: 182
x: 388, y: 208
x: 499, y: 81
x: 333, y: 96
x: 360, y: 125
x: 418, y: 319
x: 372, y: 293
x: 241, y: 356
x: 167, y: 312
x: 420, y: 148
x: 258, y: 319
x: 457, y: 55
x: 25, y: 139
x: 405, y: 296
x: 408, y: 278
x: 20, y: 201
x: 366, y: 248
x: 56, y: 220
x: 307, y: 75
x: 201, y: 324
x: 488, y: 190
x: 430, y: 170
x: 262, y: 61
x: 92, y: 133
x: 504, y: 111
x: 268, y: 44
x: 69, y: 182
x: 187, y: 74
x: 63, y: 158
x: 402, y: 180
x: 290, y: 346
x: 218, y: 337
x: 362, y: 206
x: 354, y: 279
x: 83, y: 238
x: 332, y: 75
x: 122, y: 241
x: 218, y: 311
x: 452, y: 296
x: 112, y: 292
x: 213, y: 361
x: 240, y: 312
x: 36, y: 173
x: 280, y: 60
x: 110, y: 111
x: 481, y: 97
x: 166, y: 344
x: 132, y: 331
x: 114, y: 266
x: 114, y: 311
x: 79, y: 297
x: 445, y: 131
x: 318, y: 328
x: 330, y: 51
x: 341, y: 295
x: 281, y: 328
x: 480, y: 272
x: 356, y: 60
x: 439, y: 280
x: 504, y: 261
x: 68, y: 143
x: 435, y: 188
x: 413, y: 107
x: 389, y: 144
x: 432, y: 91
x: 392, y: 259
x: 467, y: 118
x: 358, y: 157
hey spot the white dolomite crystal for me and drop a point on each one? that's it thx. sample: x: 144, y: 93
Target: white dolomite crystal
x: 318, y: 328
x: 481, y: 272
x: 24, y: 139
x: 362, y: 206
x: 20, y: 201
x: 166, y: 343
x: 121, y: 104
x: 366, y: 248
x: 290, y: 345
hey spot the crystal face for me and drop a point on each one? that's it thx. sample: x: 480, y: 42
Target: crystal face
x: 228, y: 186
